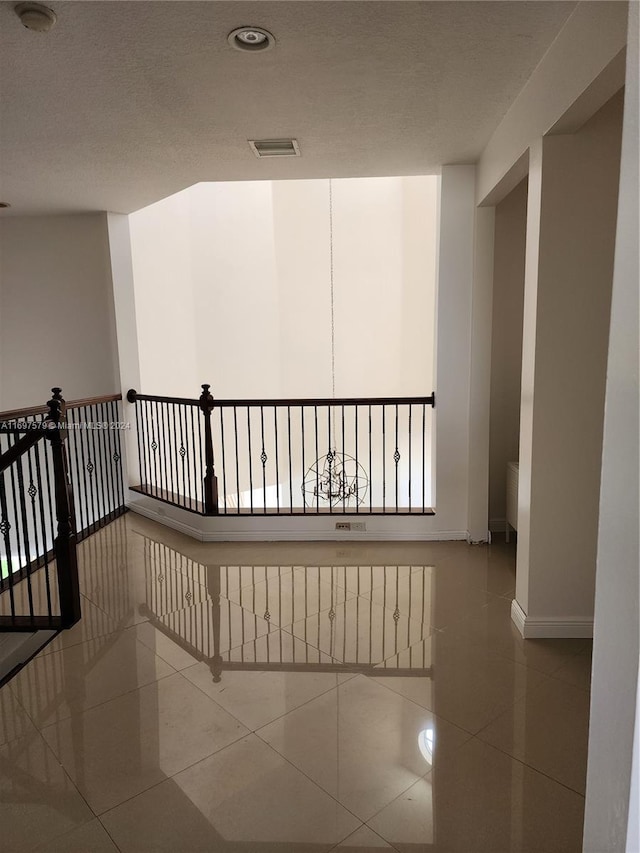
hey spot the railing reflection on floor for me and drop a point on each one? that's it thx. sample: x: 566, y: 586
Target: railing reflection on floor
x: 233, y: 617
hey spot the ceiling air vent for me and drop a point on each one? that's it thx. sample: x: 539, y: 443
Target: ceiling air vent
x: 275, y: 147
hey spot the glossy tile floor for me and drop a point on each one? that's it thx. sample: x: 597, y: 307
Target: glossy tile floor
x: 294, y: 698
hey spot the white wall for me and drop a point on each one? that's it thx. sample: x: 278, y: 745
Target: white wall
x: 580, y: 66
x: 236, y: 278
x: 611, y: 814
x: 506, y: 345
x: 57, y: 323
x: 453, y: 352
x: 164, y: 309
x: 571, y: 222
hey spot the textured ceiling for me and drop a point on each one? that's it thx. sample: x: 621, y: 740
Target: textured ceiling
x: 124, y: 103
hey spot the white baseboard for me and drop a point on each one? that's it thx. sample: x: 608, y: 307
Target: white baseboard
x: 551, y: 627
x: 231, y: 529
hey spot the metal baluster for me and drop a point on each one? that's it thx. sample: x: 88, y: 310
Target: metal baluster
x: 315, y: 417
x: 331, y: 458
x: 142, y: 442
x: 45, y: 549
x: 82, y: 438
x: 101, y: 442
x: 344, y: 476
x: 157, y: 470
x: 194, y: 462
x: 25, y: 529
x: 396, y: 457
x: 175, y: 467
x: 142, y: 422
x: 222, y: 454
x: 200, y: 460
x: 424, y: 416
x: 235, y: 432
x: 290, y: 462
x: 410, y: 411
x: 108, y: 458
x: 275, y: 428
x: 370, y: 466
x: 16, y: 522
x: 162, y: 427
x: 90, y: 468
x: 304, y: 499
x: 263, y: 459
x: 183, y: 454
x: 5, y: 529
x: 170, y: 449
x: 250, y: 460
x: 82, y: 502
x: 116, y: 408
x: 384, y: 453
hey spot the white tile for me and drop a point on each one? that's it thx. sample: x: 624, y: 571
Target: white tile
x: 482, y: 801
x: 245, y: 798
x: 363, y: 840
x: 38, y: 801
x: 362, y: 743
x: 90, y: 838
x: 258, y: 697
x: 124, y: 746
x: 14, y: 720
x: 52, y: 687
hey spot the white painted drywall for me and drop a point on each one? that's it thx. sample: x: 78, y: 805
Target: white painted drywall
x: 57, y: 323
x: 453, y: 348
x: 164, y: 310
x: 590, y: 40
x: 233, y: 284
x: 480, y: 376
x: 127, y: 332
x: 611, y: 813
x: 573, y: 189
x: 506, y: 345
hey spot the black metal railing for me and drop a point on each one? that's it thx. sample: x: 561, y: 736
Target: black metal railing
x: 37, y: 525
x: 32, y: 482
x: 286, y: 457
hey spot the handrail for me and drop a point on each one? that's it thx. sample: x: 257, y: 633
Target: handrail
x: 64, y: 546
x: 334, y: 442
x: 430, y: 400
x: 15, y: 414
x: 19, y: 448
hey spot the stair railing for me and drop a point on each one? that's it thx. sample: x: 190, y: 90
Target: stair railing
x: 37, y: 525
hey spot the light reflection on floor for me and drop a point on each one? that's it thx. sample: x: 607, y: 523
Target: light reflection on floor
x: 294, y: 697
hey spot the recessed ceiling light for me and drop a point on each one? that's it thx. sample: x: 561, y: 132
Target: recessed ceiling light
x: 4, y: 204
x: 275, y: 147
x: 36, y: 17
x: 251, y: 39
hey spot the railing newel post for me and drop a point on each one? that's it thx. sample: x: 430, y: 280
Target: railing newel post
x: 65, y: 545
x: 210, y: 480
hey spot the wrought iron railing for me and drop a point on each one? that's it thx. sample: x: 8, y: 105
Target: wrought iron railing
x: 81, y: 459
x: 36, y: 525
x: 286, y: 457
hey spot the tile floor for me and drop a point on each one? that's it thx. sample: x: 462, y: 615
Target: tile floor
x: 294, y: 698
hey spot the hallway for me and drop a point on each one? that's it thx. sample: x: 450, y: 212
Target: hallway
x: 309, y: 697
